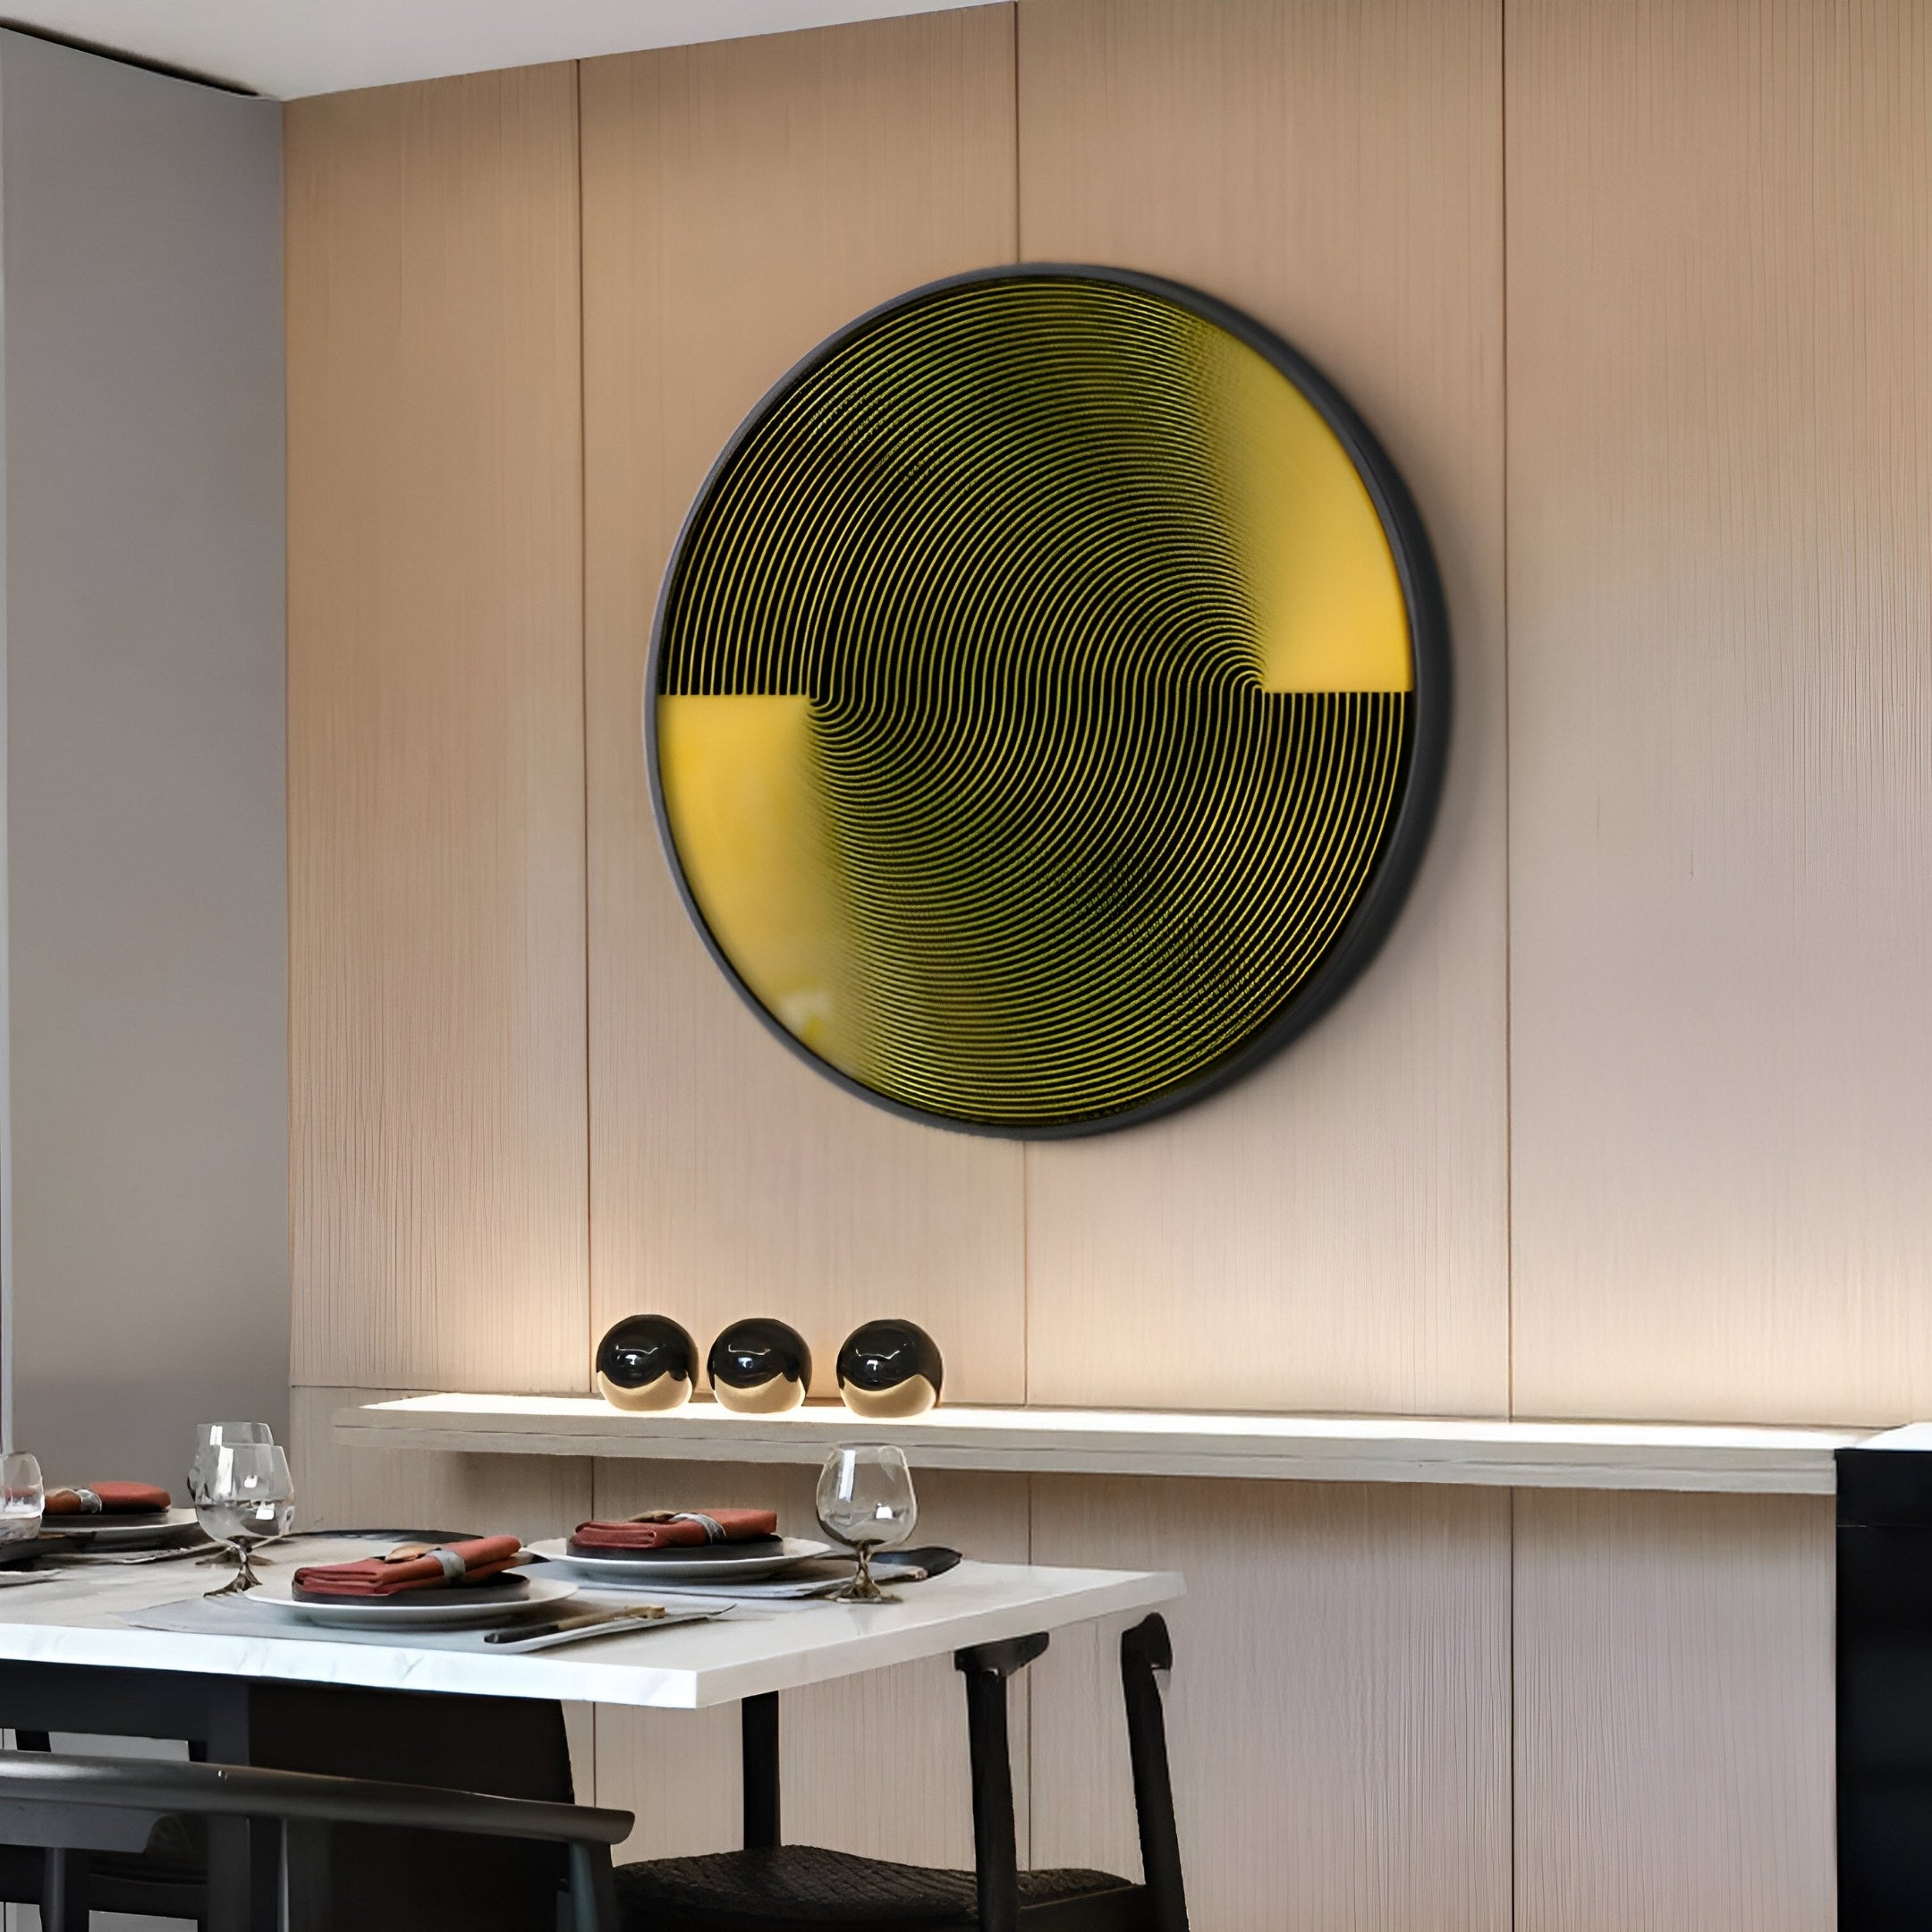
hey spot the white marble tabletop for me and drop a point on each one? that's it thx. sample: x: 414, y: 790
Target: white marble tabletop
x: 86, y: 1616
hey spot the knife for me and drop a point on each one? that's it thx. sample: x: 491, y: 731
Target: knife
x: 568, y: 1629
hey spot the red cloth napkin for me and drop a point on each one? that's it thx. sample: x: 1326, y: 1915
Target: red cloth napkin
x: 676, y: 1529
x: 113, y: 1499
x: 409, y: 1569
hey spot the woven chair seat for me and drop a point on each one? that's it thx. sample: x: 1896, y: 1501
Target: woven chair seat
x: 786, y: 1887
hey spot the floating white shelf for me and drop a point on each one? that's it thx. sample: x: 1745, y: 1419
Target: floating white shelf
x: 1535, y: 1455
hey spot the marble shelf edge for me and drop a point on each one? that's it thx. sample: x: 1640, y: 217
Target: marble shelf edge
x: 1708, y: 1457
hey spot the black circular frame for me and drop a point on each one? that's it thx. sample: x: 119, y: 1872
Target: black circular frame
x: 1382, y: 893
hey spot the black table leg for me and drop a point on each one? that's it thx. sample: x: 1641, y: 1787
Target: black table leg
x: 230, y: 1894
x: 63, y: 1901
x: 387, y: 1880
x: 758, y: 1725
x: 241, y: 1898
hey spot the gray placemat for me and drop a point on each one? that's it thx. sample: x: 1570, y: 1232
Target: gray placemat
x: 817, y: 1577
x: 236, y: 1616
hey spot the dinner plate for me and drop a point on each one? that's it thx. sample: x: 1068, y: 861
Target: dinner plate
x: 465, y: 1608
x: 146, y: 1531
x: 694, y: 1562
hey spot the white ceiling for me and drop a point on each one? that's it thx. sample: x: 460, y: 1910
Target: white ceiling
x: 290, y: 47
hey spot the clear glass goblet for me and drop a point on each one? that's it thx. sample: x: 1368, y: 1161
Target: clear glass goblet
x: 247, y: 1496
x: 866, y: 1502
x: 22, y: 1496
x: 209, y: 1436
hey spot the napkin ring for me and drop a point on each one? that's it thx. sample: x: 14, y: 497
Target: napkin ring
x: 453, y: 1566
x: 713, y: 1530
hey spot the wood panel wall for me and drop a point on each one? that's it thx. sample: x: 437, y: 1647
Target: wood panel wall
x: 1339, y: 1712
x: 437, y: 1031
x: 1720, y: 702
x: 1624, y: 1119
x: 1721, y: 706
x: 741, y: 201
x: 1335, y: 169
x: 1674, y: 1713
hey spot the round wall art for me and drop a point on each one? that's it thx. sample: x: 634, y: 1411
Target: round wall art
x: 1047, y: 700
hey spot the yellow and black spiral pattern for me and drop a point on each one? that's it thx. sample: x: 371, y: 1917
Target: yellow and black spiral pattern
x: 1033, y: 698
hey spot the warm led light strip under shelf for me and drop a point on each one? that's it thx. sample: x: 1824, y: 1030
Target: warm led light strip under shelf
x: 1545, y: 1455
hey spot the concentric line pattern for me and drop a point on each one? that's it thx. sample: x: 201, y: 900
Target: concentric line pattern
x: 1035, y: 699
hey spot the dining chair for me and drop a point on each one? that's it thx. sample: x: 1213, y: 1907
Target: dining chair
x: 75, y: 1808
x: 167, y: 1879
x: 770, y: 1886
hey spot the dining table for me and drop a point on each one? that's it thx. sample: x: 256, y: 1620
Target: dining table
x: 138, y: 1650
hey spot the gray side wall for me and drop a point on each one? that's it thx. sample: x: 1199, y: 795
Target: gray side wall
x: 144, y: 745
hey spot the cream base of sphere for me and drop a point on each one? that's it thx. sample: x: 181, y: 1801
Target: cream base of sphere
x: 778, y: 1396
x: 913, y: 1396
x: 660, y: 1394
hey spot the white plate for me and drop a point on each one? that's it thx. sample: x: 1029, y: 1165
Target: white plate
x: 413, y: 1609
x: 118, y: 1532
x: 696, y: 1562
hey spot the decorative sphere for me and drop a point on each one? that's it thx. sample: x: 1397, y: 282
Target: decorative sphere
x: 889, y: 1368
x: 759, y: 1367
x: 647, y: 1363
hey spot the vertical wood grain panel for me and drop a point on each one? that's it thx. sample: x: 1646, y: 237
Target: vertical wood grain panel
x: 742, y: 200
x: 343, y: 1489
x: 1674, y: 1713
x: 876, y: 1764
x: 1721, y: 706
x: 1330, y: 1233
x: 1338, y: 1716
x: 435, y: 735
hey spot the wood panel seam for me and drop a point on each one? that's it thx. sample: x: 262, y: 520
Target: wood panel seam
x: 1502, y: 522
x: 583, y: 654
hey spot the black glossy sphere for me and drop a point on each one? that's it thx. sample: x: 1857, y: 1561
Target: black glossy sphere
x: 647, y: 1363
x: 759, y: 1367
x: 890, y: 1369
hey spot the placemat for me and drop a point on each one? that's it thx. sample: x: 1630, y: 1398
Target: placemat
x: 235, y: 1616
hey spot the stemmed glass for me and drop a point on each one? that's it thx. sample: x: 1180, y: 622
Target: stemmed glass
x: 21, y: 1496
x: 245, y: 1496
x: 209, y: 1436
x: 866, y: 1502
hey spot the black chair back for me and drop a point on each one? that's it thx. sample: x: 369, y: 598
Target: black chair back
x: 67, y: 1805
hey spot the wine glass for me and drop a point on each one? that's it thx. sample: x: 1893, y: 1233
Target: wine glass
x: 866, y: 1502
x: 245, y: 1496
x: 210, y: 1436
x: 21, y: 1496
